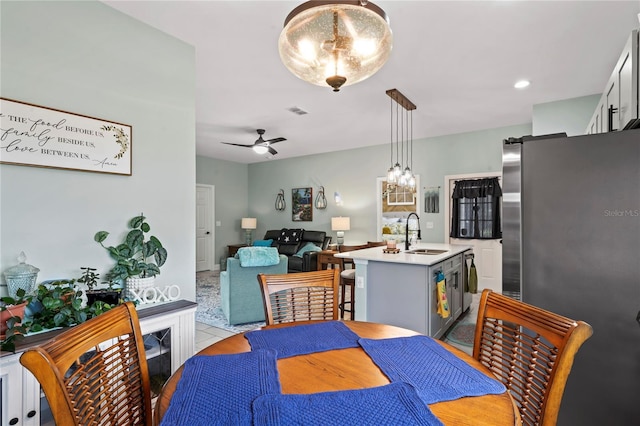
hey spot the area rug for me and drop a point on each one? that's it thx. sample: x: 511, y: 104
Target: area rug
x: 462, y: 333
x: 209, y: 309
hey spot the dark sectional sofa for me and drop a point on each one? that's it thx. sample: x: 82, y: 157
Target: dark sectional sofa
x: 289, y: 241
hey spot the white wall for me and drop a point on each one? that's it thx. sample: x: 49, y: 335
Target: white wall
x: 87, y: 58
x: 570, y: 116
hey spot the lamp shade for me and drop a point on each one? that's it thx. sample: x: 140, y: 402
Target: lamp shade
x: 340, y: 224
x: 335, y: 42
x: 249, y: 223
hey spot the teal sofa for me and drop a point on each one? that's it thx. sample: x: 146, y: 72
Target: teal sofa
x: 240, y: 292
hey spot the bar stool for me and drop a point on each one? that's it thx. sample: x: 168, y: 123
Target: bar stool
x: 348, y: 278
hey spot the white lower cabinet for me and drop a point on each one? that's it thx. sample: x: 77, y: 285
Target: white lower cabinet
x: 169, y: 336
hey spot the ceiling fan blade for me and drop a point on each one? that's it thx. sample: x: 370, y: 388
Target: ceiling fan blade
x: 272, y: 151
x: 276, y: 140
x: 237, y: 144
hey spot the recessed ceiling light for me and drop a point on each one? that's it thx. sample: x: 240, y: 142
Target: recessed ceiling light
x: 521, y: 84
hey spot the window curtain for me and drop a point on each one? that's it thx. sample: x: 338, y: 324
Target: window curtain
x: 476, y: 209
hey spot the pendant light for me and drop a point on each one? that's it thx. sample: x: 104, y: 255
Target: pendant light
x: 396, y: 175
x: 338, y: 43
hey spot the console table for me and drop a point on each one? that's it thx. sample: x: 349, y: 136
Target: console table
x: 169, y: 337
x: 326, y: 258
x: 233, y: 249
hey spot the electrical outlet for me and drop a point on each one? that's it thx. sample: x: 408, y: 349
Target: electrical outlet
x: 429, y: 225
x: 218, y: 223
x: 359, y: 282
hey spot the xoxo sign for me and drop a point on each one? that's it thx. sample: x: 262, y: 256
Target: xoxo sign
x: 155, y: 295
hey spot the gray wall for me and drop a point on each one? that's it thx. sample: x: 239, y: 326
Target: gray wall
x: 353, y: 174
x: 87, y: 58
x: 571, y: 116
x: 231, y: 181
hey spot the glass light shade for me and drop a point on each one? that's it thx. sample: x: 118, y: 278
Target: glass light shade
x: 335, y: 42
x: 249, y: 223
x: 391, y: 176
x: 260, y: 149
x: 412, y: 182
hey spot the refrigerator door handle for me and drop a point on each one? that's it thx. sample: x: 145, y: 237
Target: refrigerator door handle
x: 638, y: 317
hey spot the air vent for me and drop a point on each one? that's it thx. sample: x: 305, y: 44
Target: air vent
x: 298, y: 111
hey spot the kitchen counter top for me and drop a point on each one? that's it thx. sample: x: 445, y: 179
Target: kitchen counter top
x: 376, y: 254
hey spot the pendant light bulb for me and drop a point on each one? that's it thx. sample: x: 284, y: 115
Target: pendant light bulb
x: 391, y: 176
x: 397, y: 170
x: 412, y: 182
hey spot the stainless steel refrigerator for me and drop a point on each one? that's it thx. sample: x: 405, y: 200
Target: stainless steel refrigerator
x: 571, y: 244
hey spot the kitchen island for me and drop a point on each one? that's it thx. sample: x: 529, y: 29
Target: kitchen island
x: 400, y: 289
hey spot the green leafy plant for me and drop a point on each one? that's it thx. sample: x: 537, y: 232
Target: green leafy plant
x: 55, y: 304
x: 60, y: 305
x: 89, y: 277
x: 132, y: 254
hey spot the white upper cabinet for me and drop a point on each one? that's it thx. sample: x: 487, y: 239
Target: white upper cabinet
x: 619, y: 102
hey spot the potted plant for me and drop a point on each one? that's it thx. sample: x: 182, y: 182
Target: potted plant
x: 57, y: 303
x: 133, y: 256
x: 90, y: 278
x: 12, y: 311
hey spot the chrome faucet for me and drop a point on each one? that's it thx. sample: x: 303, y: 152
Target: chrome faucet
x: 406, y: 230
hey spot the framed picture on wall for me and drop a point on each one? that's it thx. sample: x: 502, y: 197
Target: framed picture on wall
x: 39, y: 136
x: 301, y: 205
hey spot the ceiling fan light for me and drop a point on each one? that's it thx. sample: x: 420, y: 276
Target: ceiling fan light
x: 260, y: 149
x: 351, y: 38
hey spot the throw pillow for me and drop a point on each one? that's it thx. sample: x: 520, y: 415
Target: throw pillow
x: 290, y: 236
x: 262, y: 243
x: 258, y: 256
x: 307, y: 247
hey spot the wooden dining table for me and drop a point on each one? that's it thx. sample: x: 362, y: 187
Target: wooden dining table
x: 351, y: 368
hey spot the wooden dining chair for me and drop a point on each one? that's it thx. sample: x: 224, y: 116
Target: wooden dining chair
x: 95, y: 373
x: 301, y: 296
x: 348, y: 278
x: 530, y: 350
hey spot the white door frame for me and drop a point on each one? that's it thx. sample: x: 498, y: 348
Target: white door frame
x: 482, y: 282
x: 212, y: 209
x: 447, y: 191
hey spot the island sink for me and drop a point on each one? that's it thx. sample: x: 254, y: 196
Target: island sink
x: 426, y: 251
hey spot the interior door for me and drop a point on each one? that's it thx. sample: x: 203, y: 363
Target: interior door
x: 204, y: 228
x: 487, y: 253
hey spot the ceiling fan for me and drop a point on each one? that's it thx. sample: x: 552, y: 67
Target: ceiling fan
x: 260, y: 146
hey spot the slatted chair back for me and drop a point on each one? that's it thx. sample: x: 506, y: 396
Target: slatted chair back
x: 302, y: 296
x: 530, y: 350
x: 96, y: 373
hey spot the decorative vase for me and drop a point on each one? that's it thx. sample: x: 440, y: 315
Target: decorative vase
x: 137, y: 285
x: 21, y: 276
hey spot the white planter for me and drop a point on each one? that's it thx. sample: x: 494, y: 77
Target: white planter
x: 140, y: 283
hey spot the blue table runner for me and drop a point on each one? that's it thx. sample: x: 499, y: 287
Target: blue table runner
x: 436, y: 373
x: 219, y: 389
x: 304, y: 339
x: 392, y: 404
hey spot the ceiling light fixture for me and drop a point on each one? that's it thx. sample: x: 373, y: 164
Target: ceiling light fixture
x: 338, y: 43
x: 522, y: 84
x: 396, y: 176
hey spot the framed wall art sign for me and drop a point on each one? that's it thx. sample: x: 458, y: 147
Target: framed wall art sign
x: 301, y: 203
x: 32, y: 135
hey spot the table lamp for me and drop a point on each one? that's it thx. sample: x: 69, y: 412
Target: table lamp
x: 340, y: 224
x: 248, y: 224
